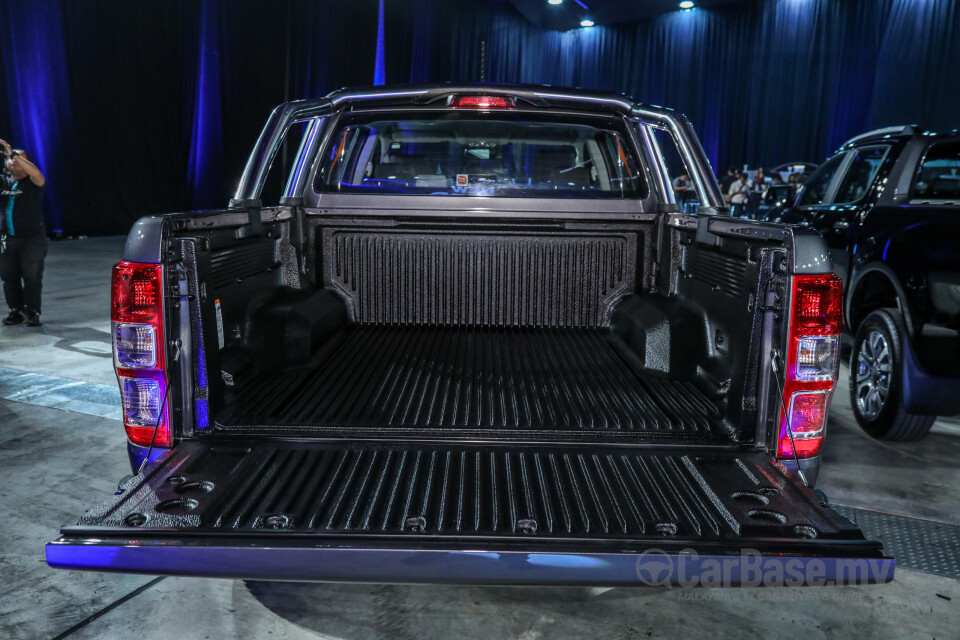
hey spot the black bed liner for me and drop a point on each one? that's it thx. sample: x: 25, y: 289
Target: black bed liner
x: 499, y: 382
x: 469, y: 491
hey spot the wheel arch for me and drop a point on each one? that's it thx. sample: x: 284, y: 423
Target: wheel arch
x: 876, y: 286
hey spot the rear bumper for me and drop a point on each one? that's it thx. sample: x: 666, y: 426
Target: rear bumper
x: 809, y: 466
x: 136, y: 454
x: 385, y: 563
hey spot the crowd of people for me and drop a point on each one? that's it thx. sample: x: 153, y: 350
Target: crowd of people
x: 742, y: 189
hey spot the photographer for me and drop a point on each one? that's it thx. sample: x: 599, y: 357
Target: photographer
x: 23, y: 243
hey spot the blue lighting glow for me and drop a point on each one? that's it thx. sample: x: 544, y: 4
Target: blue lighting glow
x: 206, y: 144
x: 565, y: 560
x: 35, y: 81
x: 90, y: 557
x: 581, y: 4
x: 201, y: 413
x: 307, y: 143
x: 138, y: 453
x: 380, y: 71
x: 378, y: 94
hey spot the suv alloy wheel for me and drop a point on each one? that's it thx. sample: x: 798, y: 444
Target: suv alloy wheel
x: 876, y: 389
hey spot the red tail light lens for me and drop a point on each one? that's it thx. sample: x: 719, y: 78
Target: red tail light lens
x: 137, y: 328
x: 482, y: 102
x: 136, y: 292
x: 813, y: 359
x: 817, y: 305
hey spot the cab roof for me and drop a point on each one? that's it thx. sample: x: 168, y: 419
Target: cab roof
x: 534, y: 95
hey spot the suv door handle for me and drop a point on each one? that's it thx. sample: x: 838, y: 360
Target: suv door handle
x: 841, y: 224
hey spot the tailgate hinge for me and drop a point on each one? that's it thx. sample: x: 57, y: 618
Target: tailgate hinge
x: 775, y: 289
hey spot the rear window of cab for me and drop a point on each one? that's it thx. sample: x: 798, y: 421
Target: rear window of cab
x: 938, y: 177
x: 471, y: 153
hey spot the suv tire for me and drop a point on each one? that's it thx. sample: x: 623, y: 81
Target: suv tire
x: 876, y: 389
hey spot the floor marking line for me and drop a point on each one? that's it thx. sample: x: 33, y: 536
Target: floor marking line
x: 107, y: 609
x: 67, y: 394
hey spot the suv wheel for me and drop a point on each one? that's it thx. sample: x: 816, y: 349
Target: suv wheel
x: 876, y: 390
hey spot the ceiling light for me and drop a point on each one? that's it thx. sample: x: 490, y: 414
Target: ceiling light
x: 554, y: 1
x: 586, y: 22
x: 686, y: 4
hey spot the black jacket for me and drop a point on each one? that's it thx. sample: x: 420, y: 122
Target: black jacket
x: 21, y: 210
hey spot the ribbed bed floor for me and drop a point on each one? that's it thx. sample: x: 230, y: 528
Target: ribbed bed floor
x: 475, y: 380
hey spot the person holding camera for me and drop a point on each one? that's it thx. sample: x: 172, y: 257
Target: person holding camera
x: 23, y: 242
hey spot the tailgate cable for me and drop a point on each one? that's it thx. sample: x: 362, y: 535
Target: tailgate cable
x: 775, y: 357
x: 163, y: 407
x: 163, y: 403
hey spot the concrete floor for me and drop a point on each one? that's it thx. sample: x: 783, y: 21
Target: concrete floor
x: 55, y: 462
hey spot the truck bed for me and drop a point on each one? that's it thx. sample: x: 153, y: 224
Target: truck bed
x: 475, y: 382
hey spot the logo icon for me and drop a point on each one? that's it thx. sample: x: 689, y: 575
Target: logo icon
x: 655, y: 568
x: 463, y: 179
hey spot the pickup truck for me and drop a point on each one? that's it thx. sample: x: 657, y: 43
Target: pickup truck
x: 886, y: 203
x: 475, y: 341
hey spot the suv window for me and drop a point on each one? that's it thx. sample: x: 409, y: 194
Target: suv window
x: 815, y: 189
x: 860, y: 172
x: 939, y: 175
x: 476, y: 154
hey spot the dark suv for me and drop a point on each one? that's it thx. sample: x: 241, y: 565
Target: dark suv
x: 888, y: 205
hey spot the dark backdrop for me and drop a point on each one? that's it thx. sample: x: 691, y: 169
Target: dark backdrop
x: 152, y: 105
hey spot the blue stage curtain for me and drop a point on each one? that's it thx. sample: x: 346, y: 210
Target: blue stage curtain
x: 764, y: 82
x: 918, y: 66
x: 150, y: 106
x: 35, y: 117
x: 205, y: 171
x: 334, y: 44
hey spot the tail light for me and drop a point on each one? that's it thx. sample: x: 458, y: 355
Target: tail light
x: 481, y: 102
x: 813, y: 359
x: 137, y: 328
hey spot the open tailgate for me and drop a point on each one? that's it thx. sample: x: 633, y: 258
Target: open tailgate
x: 470, y: 514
